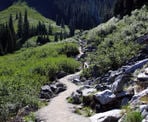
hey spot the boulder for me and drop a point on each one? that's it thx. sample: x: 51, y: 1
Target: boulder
x: 142, y: 39
x: 143, y: 107
x: 46, y: 92
x: 109, y: 116
x: 60, y: 88
x: 136, y: 99
x: 136, y: 66
x: 102, y: 87
x: 142, y: 77
x: 53, y: 87
x: 144, y: 111
x: 124, y: 94
x: 118, y: 85
x: 88, y: 91
x: 61, y: 74
x: 105, y: 97
x: 125, y: 101
x: 76, y: 98
x: 146, y: 71
x: 76, y: 81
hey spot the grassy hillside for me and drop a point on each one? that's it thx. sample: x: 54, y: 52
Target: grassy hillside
x: 33, y: 16
x: 115, y: 41
x: 23, y: 74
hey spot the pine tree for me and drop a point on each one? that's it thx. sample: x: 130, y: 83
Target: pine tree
x: 56, y: 37
x: 20, y: 26
x: 25, y: 27
x: 72, y: 27
x: 61, y: 35
x: 50, y: 30
x: 12, y: 40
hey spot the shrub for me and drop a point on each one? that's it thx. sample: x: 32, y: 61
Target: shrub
x: 133, y: 117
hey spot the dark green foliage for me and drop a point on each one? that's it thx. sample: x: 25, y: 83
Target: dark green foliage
x: 25, y: 26
x: 72, y: 27
x: 115, y: 42
x: 7, y: 37
x: 133, y: 117
x: 20, y: 26
x: 56, y: 38
x: 123, y: 7
x: 12, y: 43
x: 42, y: 40
x: 41, y: 29
x: 50, y: 30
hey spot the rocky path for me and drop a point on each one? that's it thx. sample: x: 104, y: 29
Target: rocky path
x: 58, y: 109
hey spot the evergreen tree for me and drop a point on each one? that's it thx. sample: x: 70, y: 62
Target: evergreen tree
x: 56, y: 37
x: 20, y: 26
x: 62, y: 23
x: 61, y: 35
x: 50, y: 30
x: 12, y: 40
x: 72, y: 27
x: 16, y: 17
x: 25, y: 27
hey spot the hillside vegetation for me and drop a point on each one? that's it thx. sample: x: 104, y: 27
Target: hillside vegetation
x: 115, y: 41
x: 24, y: 72
x: 33, y: 16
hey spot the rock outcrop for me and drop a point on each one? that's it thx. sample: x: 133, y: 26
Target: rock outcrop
x: 51, y: 90
x: 109, y: 116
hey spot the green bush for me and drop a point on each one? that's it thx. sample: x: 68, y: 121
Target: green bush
x: 133, y: 117
x: 115, y: 41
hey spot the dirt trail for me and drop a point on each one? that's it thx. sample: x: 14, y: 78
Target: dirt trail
x: 58, y: 109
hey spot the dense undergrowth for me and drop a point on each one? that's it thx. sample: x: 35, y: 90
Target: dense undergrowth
x: 115, y: 42
x: 23, y: 73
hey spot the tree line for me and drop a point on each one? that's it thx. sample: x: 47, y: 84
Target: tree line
x: 12, y: 39
x: 124, y: 7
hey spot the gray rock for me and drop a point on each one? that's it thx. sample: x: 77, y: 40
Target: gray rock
x: 76, y: 98
x: 118, y: 84
x: 60, y: 89
x: 61, y: 74
x: 109, y: 116
x: 124, y: 94
x: 76, y: 81
x: 46, y: 92
x: 143, y: 107
x: 46, y: 88
x: 142, y: 77
x: 87, y: 92
x: 105, y: 97
x: 102, y: 87
x: 124, y: 101
x: 145, y: 113
x: 136, y: 98
x: 136, y: 66
x: 142, y: 39
x: 53, y: 87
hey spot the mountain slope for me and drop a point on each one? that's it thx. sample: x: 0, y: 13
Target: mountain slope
x: 33, y: 16
x: 114, y: 42
x: 86, y: 13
